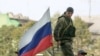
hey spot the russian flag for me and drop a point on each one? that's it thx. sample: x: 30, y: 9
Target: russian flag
x: 37, y: 38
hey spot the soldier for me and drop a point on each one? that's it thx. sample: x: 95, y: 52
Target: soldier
x: 65, y: 31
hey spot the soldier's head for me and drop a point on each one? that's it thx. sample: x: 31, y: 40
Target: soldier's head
x: 69, y: 12
x: 82, y: 53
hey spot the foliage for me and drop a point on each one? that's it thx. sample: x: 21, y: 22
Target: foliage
x: 84, y: 39
x: 9, y: 38
x: 83, y: 36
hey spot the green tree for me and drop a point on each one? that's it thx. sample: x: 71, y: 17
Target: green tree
x: 5, y: 40
x: 9, y: 38
x: 83, y: 36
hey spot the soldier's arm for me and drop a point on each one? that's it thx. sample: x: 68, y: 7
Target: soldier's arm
x: 58, y: 28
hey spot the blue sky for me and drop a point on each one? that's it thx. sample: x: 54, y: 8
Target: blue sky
x: 35, y: 8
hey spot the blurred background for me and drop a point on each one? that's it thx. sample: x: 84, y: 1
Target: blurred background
x: 17, y: 16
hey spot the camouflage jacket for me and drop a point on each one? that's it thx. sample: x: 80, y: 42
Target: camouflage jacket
x: 62, y: 29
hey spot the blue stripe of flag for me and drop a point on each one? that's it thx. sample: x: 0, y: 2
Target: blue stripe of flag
x: 40, y: 34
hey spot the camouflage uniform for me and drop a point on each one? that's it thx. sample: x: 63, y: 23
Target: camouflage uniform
x: 62, y: 34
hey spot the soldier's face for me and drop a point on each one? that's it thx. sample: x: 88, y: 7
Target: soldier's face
x: 69, y: 14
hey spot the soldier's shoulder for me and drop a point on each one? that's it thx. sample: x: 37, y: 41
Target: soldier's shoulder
x: 61, y: 18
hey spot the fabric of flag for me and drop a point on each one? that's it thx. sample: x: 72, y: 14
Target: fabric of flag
x: 38, y: 38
